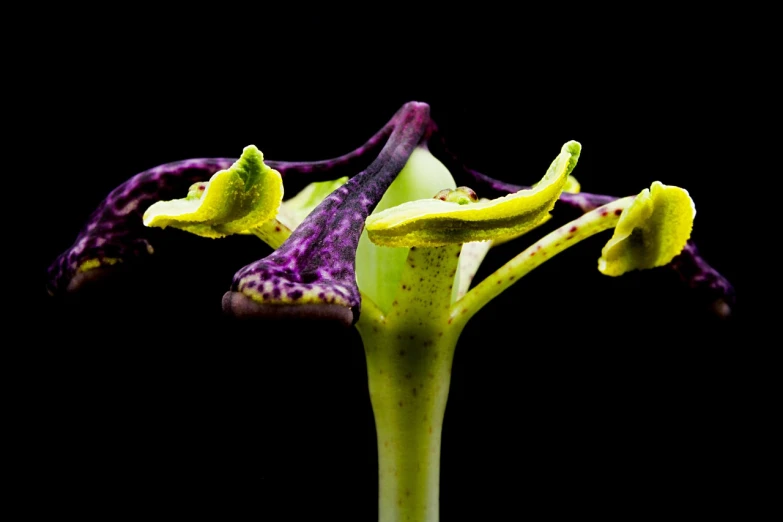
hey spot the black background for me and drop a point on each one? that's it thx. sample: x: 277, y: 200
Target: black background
x: 571, y: 391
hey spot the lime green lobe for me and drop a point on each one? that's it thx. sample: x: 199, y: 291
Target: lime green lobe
x: 650, y: 232
x: 434, y: 222
x: 245, y: 195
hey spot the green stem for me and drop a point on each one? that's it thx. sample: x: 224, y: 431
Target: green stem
x: 409, y: 385
x: 409, y: 355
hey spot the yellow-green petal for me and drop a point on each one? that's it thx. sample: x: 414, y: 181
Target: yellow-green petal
x: 433, y: 222
x: 651, y: 231
x: 245, y: 195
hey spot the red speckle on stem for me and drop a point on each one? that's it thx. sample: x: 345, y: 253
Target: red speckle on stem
x: 573, y: 229
x: 618, y: 211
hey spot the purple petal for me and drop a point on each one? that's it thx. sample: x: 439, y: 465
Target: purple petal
x: 317, y: 262
x: 115, y: 228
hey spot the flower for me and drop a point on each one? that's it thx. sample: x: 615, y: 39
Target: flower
x: 327, y: 259
x: 376, y: 250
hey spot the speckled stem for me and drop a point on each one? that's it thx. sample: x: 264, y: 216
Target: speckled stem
x: 409, y: 356
x: 598, y: 220
x: 409, y: 385
x: 316, y: 265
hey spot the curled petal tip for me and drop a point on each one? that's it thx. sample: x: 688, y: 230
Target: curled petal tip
x: 572, y: 147
x: 651, y: 231
x: 243, y: 307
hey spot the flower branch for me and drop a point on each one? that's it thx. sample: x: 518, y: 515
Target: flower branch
x: 692, y: 269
